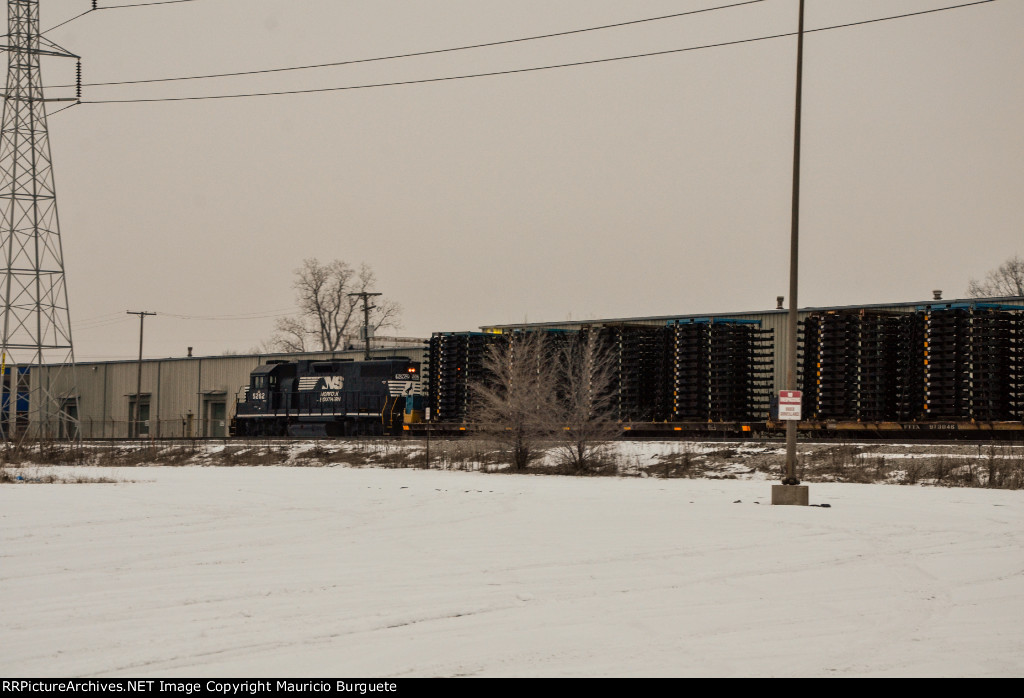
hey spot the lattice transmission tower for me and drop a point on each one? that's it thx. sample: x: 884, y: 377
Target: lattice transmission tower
x: 36, y: 318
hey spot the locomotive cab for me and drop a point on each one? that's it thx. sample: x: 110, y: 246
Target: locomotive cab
x: 265, y: 394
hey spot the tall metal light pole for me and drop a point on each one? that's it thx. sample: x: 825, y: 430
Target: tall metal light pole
x: 794, y: 253
x: 138, y: 374
x: 781, y: 495
x: 366, y: 319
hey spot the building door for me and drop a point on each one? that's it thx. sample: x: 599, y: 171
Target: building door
x: 216, y: 418
x: 138, y: 417
x: 68, y: 424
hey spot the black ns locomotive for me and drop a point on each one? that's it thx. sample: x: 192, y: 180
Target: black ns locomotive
x: 330, y: 398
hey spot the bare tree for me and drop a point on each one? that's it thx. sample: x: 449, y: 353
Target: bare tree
x: 586, y: 409
x: 514, y: 403
x: 1007, y: 280
x: 327, y: 311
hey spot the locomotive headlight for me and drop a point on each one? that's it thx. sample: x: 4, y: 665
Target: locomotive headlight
x: 412, y: 369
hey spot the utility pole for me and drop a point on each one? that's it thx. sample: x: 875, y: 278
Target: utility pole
x: 787, y: 493
x: 36, y: 321
x: 138, y: 374
x: 366, y: 319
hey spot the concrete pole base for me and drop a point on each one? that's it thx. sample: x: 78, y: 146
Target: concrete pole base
x: 790, y: 494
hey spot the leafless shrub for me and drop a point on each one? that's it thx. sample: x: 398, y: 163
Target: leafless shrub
x: 392, y: 455
x: 771, y: 463
x: 1003, y: 467
x: 882, y: 469
x: 913, y: 470
x: 681, y: 463
x: 941, y: 470
x: 840, y: 461
x: 967, y: 475
x: 129, y: 456
x: 1012, y: 472
x: 513, y: 406
x: 993, y: 473
x: 583, y: 414
x: 47, y: 452
x: 460, y: 454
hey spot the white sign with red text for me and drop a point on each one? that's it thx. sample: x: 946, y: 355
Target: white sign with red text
x: 789, y: 404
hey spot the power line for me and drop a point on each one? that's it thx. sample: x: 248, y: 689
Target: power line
x: 112, y: 7
x: 420, y: 53
x: 87, y: 326
x: 535, y: 69
x: 86, y: 329
x: 102, y: 321
x: 68, y: 21
x: 242, y: 316
x: 75, y: 104
x: 101, y: 317
x: 143, y: 4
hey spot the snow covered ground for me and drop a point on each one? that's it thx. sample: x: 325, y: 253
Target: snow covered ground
x: 342, y: 571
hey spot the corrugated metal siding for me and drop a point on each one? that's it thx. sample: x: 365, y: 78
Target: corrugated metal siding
x: 92, y: 398
x: 179, y: 402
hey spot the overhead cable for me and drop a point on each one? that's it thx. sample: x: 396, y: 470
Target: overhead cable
x: 112, y: 7
x: 420, y: 53
x: 534, y: 69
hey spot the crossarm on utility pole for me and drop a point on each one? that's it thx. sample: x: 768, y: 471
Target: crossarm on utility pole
x: 366, y: 319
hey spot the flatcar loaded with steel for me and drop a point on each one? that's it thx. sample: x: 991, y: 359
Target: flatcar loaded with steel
x: 329, y: 398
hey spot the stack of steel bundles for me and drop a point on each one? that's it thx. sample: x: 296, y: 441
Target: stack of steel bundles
x: 830, y: 366
x: 456, y: 361
x: 852, y: 366
x: 877, y: 366
x: 939, y: 363
x: 910, y: 367
x: 643, y: 372
x: 1017, y: 394
x: 1017, y: 386
x: 692, y: 356
x: 947, y: 363
x: 762, y: 368
x: 995, y: 364
x: 722, y: 371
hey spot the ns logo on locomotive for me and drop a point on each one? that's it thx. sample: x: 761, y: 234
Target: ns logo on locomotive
x: 330, y: 398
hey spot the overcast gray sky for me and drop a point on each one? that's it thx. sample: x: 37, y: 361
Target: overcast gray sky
x: 651, y: 186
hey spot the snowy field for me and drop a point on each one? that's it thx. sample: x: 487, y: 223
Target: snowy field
x: 340, y: 571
